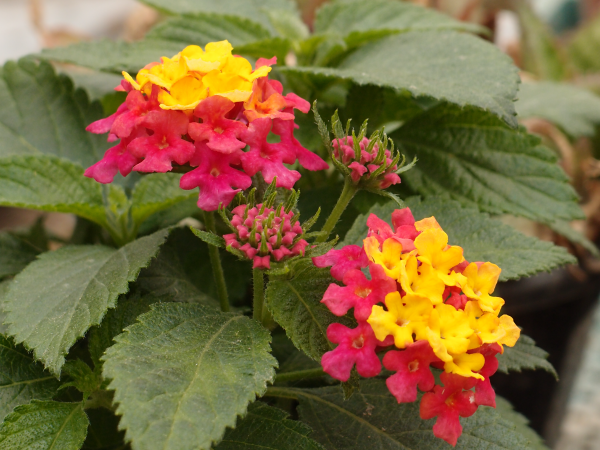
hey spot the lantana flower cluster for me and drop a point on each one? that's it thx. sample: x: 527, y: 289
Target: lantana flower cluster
x: 427, y: 301
x: 210, y: 110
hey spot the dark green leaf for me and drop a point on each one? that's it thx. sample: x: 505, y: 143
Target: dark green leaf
x: 444, y: 65
x: 372, y: 419
x: 21, y: 378
x: 185, y: 372
x: 524, y: 355
x: 41, y: 113
x: 477, y: 159
x: 15, y: 254
x: 48, y: 183
x: 268, y: 428
x: 44, y: 426
x: 116, y: 320
x: 505, y: 409
x: 575, y: 110
x: 157, y: 192
x: 482, y: 238
x: 58, y: 297
x: 103, y: 432
x: 84, y: 378
x: 295, y: 302
x: 95, y: 84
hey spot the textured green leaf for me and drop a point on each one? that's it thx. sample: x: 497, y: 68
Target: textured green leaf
x: 482, y: 238
x: 44, y: 426
x: 168, y: 38
x: 444, y: 65
x: 477, y: 159
x: 15, y: 254
x: 295, y: 303
x: 505, y: 409
x: 256, y: 10
x: 48, y: 183
x: 209, y: 238
x: 268, y: 428
x: 575, y: 110
x: 156, y: 192
x: 372, y: 419
x: 184, y: 373
x: 116, y: 320
x: 58, y: 297
x: 524, y: 355
x: 95, y: 84
x: 40, y: 112
x: 21, y: 378
x: 84, y: 379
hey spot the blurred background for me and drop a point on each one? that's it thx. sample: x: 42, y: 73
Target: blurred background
x: 551, y: 41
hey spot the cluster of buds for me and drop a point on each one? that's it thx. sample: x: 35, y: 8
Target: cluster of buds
x: 263, y: 231
x: 427, y: 302
x: 209, y: 110
x: 368, y: 162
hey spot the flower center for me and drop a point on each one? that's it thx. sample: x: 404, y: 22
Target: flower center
x: 359, y: 342
x: 362, y: 292
x: 218, y: 130
x: 215, y: 172
x: 413, y: 366
x: 163, y: 144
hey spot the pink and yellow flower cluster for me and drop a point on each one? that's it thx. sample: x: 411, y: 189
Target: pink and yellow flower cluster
x: 427, y: 301
x: 208, y: 109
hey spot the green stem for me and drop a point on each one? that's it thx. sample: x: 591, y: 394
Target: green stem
x: 299, y: 375
x: 259, y: 293
x: 350, y: 189
x: 282, y: 392
x: 215, y: 261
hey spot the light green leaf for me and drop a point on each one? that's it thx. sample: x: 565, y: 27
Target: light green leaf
x: 372, y: 419
x: 209, y: 238
x: 41, y: 113
x: 21, y: 378
x: 156, y: 192
x: 575, y: 110
x: 58, y: 297
x: 583, y: 47
x: 268, y: 428
x: 294, y: 301
x: 15, y: 254
x: 44, y: 426
x: 116, y: 320
x: 524, y: 355
x: 443, y: 65
x: 48, y: 183
x: 478, y: 160
x: 482, y: 238
x: 184, y: 373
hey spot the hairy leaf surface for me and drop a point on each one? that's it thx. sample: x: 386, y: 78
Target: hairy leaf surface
x: 21, y: 378
x: 15, y: 254
x: 295, y: 302
x: 373, y: 419
x: 443, y: 65
x: 482, y: 238
x: 44, y: 426
x: 185, y: 372
x: 58, y: 297
x: 41, y: 113
x: 268, y: 428
x: 524, y: 355
x: 477, y: 159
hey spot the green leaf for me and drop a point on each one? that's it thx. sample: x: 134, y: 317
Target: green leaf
x: 41, y: 113
x: 268, y: 428
x: 478, y: 160
x: 15, y: 254
x: 103, y: 432
x: 116, y: 320
x: 482, y: 238
x: 524, y: 355
x: 505, y: 409
x: 372, y: 419
x: 185, y: 372
x: 21, y: 378
x: 157, y: 192
x: 95, y: 84
x: 574, y: 109
x: 256, y: 10
x: 84, y: 378
x: 209, y: 238
x: 58, y: 297
x: 583, y: 47
x: 295, y: 303
x: 48, y: 183
x: 44, y: 426
x: 444, y: 65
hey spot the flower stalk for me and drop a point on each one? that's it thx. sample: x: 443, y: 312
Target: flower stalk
x: 348, y: 193
x: 215, y: 261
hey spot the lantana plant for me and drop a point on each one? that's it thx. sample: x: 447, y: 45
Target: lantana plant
x: 244, y: 274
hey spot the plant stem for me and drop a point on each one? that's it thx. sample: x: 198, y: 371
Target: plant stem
x: 258, y: 278
x: 346, y: 196
x: 299, y: 375
x: 215, y: 261
x: 282, y: 392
